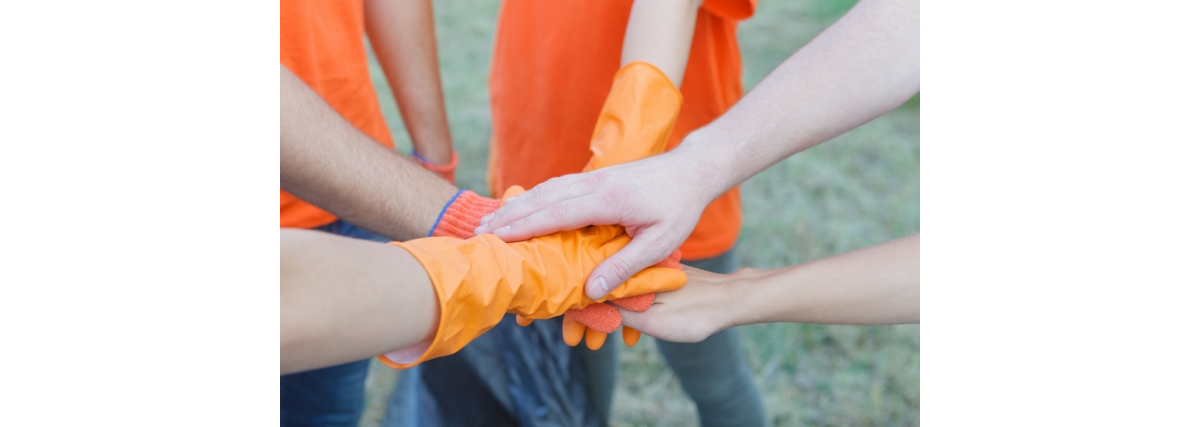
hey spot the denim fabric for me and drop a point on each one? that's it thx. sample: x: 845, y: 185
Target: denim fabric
x: 330, y: 396
x: 509, y: 376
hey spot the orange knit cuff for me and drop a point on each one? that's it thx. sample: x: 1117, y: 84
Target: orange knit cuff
x: 461, y: 215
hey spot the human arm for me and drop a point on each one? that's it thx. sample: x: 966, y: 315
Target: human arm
x: 660, y: 33
x: 635, y: 122
x: 879, y: 285
x: 864, y: 65
x: 324, y: 160
x: 403, y: 37
x: 342, y: 299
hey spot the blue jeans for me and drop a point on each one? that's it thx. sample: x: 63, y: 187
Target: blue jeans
x: 330, y: 396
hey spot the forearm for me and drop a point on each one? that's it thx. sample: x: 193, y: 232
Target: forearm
x: 343, y: 299
x: 324, y: 160
x: 402, y: 34
x: 660, y: 32
x: 861, y: 67
x: 877, y: 285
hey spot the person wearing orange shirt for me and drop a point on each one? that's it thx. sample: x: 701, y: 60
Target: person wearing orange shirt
x: 552, y: 69
x: 863, y: 66
x: 324, y: 66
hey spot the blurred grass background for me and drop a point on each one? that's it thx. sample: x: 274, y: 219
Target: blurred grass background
x: 857, y: 190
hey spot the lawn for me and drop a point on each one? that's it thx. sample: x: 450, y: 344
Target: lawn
x: 857, y: 190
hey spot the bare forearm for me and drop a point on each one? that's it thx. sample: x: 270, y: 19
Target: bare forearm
x: 343, y: 299
x: 861, y: 67
x: 877, y: 285
x: 660, y: 33
x: 402, y: 34
x: 324, y: 160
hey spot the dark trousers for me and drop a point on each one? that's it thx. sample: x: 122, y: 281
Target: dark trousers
x: 713, y: 372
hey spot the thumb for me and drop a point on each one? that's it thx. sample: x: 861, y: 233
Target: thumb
x: 631, y: 259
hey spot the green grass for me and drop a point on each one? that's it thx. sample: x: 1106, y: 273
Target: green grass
x: 857, y: 190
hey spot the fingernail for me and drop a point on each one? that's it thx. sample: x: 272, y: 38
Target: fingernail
x: 486, y: 218
x: 502, y: 231
x: 599, y: 288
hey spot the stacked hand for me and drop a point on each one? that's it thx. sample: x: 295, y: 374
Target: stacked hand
x: 480, y: 279
x: 635, y: 122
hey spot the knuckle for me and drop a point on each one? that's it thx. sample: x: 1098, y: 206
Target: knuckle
x: 557, y: 212
x: 597, y: 178
x: 621, y: 267
x: 535, y: 197
x: 610, y: 197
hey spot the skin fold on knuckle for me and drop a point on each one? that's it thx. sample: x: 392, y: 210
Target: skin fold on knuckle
x: 621, y: 269
x: 556, y: 213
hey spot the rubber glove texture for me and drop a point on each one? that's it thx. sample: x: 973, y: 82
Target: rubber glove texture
x: 635, y: 123
x: 480, y: 279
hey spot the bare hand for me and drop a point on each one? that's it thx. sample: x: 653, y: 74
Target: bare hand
x: 705, y: 306
x: 658, y: 200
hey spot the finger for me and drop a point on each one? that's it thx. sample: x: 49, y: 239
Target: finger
x: 525, y: 204
x: 572, y: 331
x: 630, y: 335
x: 595, y: 339
x: 523, y: 321
x: 638, y: 303
x: 601, y: 317
x: 648, y: 281
x: 565, y: 215
x: 641, y: 252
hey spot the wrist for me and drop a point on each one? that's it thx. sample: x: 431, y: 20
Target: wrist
x: 742, y: 287
x: 435, y: 158
x: 703, y: 160
x: 444, y: 170
x: 433, y: 150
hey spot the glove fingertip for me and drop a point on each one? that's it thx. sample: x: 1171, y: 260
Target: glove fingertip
x: 524, y: 321
x: 630, y: 335
x: 595, y: 339
x: 572, y: 331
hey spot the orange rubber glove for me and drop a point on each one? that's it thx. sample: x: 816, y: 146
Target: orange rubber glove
x: 634, y: 123
x: 445, y: 171
x: 480, y: 279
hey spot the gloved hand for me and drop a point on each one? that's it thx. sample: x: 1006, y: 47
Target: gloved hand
x: 461, y: 214
x: 599, y: 320
x: 634, y: 123
x: 445, y: 171
x: 480, y: 279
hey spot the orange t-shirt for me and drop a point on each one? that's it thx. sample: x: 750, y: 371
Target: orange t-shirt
x: 322, y: 43
x: 552, y: 70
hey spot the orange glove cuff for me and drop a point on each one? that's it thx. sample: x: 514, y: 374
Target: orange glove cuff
x: 637, y: 117
x: 461, y: 215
